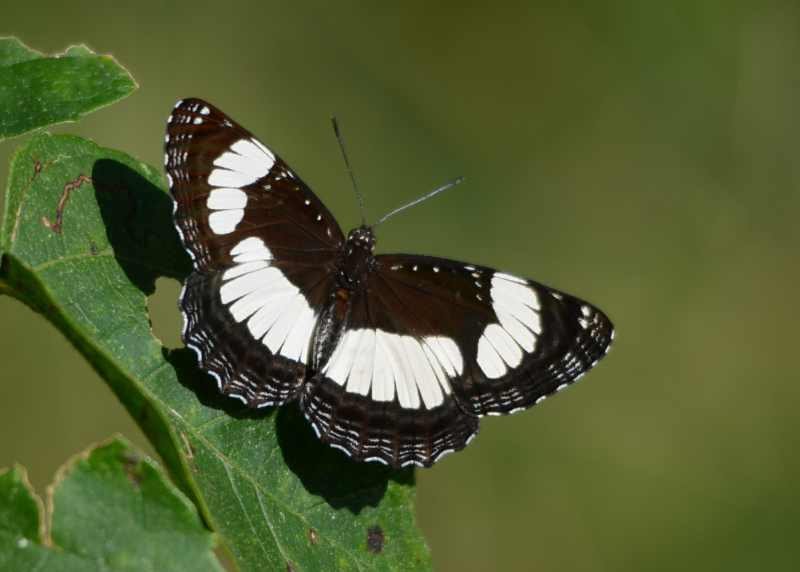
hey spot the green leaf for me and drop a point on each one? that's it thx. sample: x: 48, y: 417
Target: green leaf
x: 110, y: 509
x: 86, y: 233
x: 38, y: 90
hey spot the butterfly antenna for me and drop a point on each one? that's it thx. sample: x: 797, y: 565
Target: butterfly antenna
x: 432, y: 194
x: 359, y: 196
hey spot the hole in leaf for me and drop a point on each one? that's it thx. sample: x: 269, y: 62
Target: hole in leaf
x: 375, y: 539
x: 165, y: 318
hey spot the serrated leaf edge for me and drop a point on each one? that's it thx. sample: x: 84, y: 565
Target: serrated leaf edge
x: 40, y: 507
x: 61, y: 55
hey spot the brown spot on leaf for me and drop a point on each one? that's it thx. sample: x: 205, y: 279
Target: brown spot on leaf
x: 313, y: 536
x: 55, y: 226
x: 290, y: 567
x: 375, y: 539
x: 130, y: 462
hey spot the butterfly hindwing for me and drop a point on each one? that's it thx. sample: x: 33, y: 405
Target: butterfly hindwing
x: 441, y: 343
x: 519, y: 340
x: 264, y: 249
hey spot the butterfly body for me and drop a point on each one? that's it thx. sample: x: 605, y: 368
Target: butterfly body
x: 391, y: 357
x: 358, y: 259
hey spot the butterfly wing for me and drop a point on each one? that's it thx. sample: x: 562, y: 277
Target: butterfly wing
x: 434, y: 344
x: 263, y: 248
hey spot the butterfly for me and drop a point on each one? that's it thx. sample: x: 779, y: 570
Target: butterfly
x: 391, y: 357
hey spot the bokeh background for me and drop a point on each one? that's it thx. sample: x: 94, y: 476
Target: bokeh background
x: 643, y: 155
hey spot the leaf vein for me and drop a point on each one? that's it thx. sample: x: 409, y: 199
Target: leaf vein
x: 269, y: 523
x: 246, y: 514
x: 228, y: 464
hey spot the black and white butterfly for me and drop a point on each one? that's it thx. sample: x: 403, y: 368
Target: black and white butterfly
x: 391, y: 357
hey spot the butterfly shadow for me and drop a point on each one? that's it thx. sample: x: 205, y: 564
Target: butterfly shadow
x: 204, y: 387
x: 328, y: 472
x: 138, y: 219
x: 323, y: 471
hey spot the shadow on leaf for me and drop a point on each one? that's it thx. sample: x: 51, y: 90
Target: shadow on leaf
x: 200, y: 383
x: 329, y: 473
x: 324, y: 471
x: 138, y: 220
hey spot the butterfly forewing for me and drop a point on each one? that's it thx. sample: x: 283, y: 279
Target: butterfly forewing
x: 218, y: 173
x: 263, y: 247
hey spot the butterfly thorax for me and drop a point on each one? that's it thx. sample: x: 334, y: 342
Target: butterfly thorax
x: 357, y: 259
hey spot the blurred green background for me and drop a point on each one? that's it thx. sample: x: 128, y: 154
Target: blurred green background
x: 642, y: 155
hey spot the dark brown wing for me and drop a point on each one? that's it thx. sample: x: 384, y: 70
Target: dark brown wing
x: 264, y: 249
x: 433, y: 344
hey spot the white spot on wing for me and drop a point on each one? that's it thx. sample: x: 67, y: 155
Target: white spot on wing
x: 517, y: 307
x: 341, y: 362
x: 362, y: 370
x: 503, y: 344
x: 448, y: 353
x: 290, y: 312
x: 249, y: 304
x: 274, y: 310
x: 244, y: 268
x: 513, y: 291
x: 489, y: 360
x: 224, y: 222
x: 438, y: 370
x: 509, y: 278
x: 238, y: 285
x: 441, y: 455
x: 226, y: 178
x: 251, y: 246
x: 386, y: 365
x: 242, y: 164
x: 224, y: 199
x: 426, y: 380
